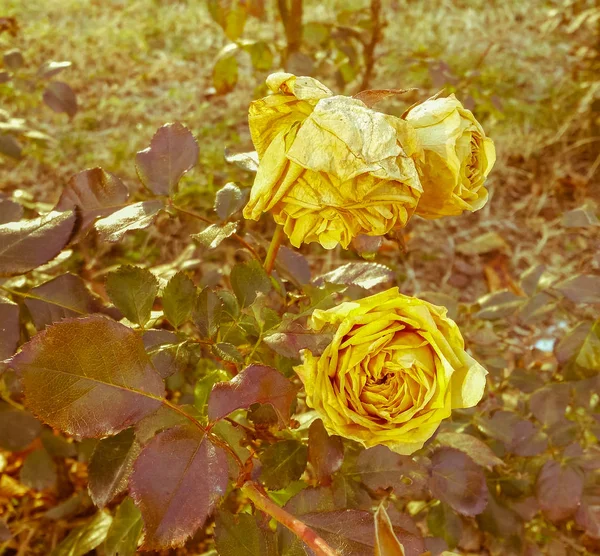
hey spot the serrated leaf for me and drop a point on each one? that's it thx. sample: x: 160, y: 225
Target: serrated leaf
x: 227, y: 352
x: 96, y: 193
x: 176, y: 482
x: 137, y: 216
x: 51, y: 68
x: 9, y: 328
x: 133, y: 290
x: 238, y: 535
x: 363, y: 274
x: 228, y: 200
x: 379, y: 468
x: 212, y: 236
x: 60, y: 98
x: 248, y: 280
x: 255, y: 384
x: 27, y: 244
x: 173, y: 151
x: 386, y: 542
x: 282, y: 463
x: 583, y: 288
x: 178, y: 299
x: 18, y: 428
x: 325, y: 453
x: 246, y: 161
x: 38, y: 471
x: 372, y: 96
x: 260, y: 55
x: 458, y: 481
x: 225, y: 71
x: 476, y: 449
x: 207, y: 314
x: 294, y: 264
x: 165, y: 351
x: 86, y: 537
x: 63, y: 297
x: 125, y: 530
x: 292, y: 340
x: 581, y: 345
x: 110, y: 466
x: 559, y: 489
x: 549, y: 404
x: 88, y: 377
x: 588, y: 514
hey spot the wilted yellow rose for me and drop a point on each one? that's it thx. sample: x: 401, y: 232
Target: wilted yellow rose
x: 395, y: 369
x: 330, y: 168
x: 457, y: 157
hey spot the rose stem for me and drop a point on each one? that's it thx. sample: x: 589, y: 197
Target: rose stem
x: 300, y: 529
x: 273, y: 249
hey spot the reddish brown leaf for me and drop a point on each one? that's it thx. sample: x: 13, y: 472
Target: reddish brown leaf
x: 255, y: 384
x: 373, y: 96
x: 61, y: 98
x: 172, y: 152
x: 88, y: 376
x: 457, y: 480
x: 559, y: 490
x: 28, y: 244
x: 177, y: 480
x: 478, y: 450
x: 137, y: 216
x: 95, y: 192
x: 325, y: 453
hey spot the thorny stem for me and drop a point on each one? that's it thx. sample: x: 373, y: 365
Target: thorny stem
x: 300, y: 529
x: 273, y: 249
x: 237, y: 237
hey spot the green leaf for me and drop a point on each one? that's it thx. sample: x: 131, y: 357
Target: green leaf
x: 125, y: 530
x: 443, y: 522
x: 227, y: 352
x: 248, y: 280
x: 363, y: 274
x: 282, y: 463
x: 228, y: 200
x: 51, y: 68
x: 255, y: 384
x: 203, y: 387
x: 583, y: 288
x: 476, y: 449
x: 212, y: 236
x: 86, y: 537
x: 581, y: 346
x: 18, y: 428
x: 260, y: 54
x: 63, y: 297
x: 88, y: 377
x: 167, y: 353
x: 178, y: 299
x: 483, y: 244
x: 325, y: 453
x: 225, y: 70
x: 458, y: 481
x: 208, y: 312
x: 60, y: 98
x: 57, y: 446
x: 10, y: 331
x: 173, y: 151
x: 38, y: 471
x: 241, y: 535
x: 177, y: 480
x: 95, y: 192
x: 133, y: 290
x: 110, y: 466
x: 27, y: 244
x: 137, y: 216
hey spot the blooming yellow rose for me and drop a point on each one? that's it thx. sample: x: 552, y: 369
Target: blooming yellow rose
x: 330, y: 168
x: 457, y: 157
x: 395, y: 369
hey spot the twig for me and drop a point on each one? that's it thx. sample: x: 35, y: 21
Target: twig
x: 300, y: 529
x: 273, y: 249
x: 372, y: 44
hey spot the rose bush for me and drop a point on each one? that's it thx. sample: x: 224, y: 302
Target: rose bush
x: 395, y: 369
x: 457, y: 158
x: 330, y: 167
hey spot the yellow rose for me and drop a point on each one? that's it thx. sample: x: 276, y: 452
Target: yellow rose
x: 395, y: 369
x: 330, y: 168
x: 457, y: 157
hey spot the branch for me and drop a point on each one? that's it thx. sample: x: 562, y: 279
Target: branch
x: 376, y: 36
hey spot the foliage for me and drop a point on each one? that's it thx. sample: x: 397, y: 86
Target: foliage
x: 148, y: 362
